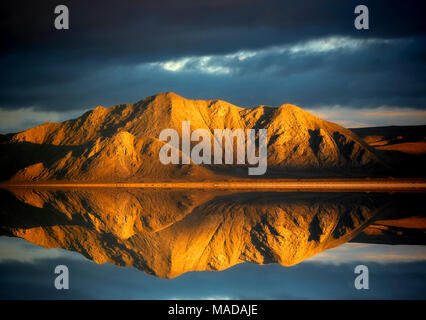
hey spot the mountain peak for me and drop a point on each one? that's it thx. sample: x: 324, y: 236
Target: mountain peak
x: 164, y: 96
x: 290, y: 109
x: 128, y: 136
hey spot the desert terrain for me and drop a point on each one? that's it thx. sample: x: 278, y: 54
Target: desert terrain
x: 120, y: 144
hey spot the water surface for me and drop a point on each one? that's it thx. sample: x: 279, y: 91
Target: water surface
x: 145, y: 244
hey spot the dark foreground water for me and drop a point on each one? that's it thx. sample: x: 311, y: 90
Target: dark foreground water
x: 133, y: 244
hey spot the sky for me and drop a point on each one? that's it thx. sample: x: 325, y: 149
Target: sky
x: 395, y: 272
x: 247, y: 52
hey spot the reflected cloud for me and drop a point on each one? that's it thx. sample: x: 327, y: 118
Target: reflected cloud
x: 307, y: 280
x: 12, y: 249
x: 376, y: 253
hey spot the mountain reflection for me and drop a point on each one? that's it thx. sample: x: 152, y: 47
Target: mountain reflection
x: 167, y: 233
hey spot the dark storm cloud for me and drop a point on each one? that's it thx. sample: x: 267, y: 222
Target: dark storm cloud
x: 146, y: 28
x: 105, y: 57
x: 358, y: 77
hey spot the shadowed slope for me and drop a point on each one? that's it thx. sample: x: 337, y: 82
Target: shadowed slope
x: 121, y: 143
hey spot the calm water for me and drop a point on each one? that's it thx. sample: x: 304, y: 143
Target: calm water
x: 140, y: 244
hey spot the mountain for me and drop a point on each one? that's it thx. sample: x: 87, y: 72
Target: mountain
x: 402, y: 146
x: 169, y: 233
x: 121, y: 143
x: 409, y: 139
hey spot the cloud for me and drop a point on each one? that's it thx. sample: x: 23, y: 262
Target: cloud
x: 25, y: 118
x: 350, y: 117
x: 325, y: 71
x: 238, y: 61
x: 204, y: 64
x: 247, y: 52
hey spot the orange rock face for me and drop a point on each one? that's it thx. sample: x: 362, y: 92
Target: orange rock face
x: 170, y: 233
x: 121, y: 143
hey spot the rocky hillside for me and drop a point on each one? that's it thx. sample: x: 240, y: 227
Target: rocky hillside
x: 121, y: 143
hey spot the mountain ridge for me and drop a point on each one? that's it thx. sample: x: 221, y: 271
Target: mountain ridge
x: 120, y: 143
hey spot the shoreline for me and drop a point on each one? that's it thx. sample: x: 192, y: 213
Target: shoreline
x: 418, y: 185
